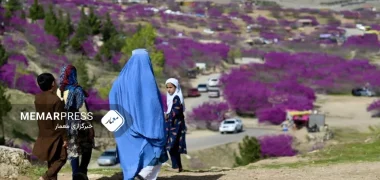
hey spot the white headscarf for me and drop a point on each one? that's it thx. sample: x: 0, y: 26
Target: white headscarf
x: 177, y: 92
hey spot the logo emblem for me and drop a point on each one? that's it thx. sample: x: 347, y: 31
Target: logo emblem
x: 113, y: 120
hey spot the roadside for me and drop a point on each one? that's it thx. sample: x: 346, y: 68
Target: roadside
x: 352, y: 155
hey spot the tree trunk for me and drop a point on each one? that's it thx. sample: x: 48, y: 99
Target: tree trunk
x: 2, y: 138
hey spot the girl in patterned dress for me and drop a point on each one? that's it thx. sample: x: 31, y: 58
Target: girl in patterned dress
x: 175, y: 123
x: 80, y: 141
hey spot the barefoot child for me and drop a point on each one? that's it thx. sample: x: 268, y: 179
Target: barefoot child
x: 175, y: 123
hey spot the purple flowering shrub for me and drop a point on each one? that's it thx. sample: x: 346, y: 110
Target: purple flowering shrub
x: 167, y: 32
x: 273, y: 115
x: 95, y: 102
x: 38, y: 37
x: 367, y: 41
x: 116, y: 58
x: 209, y: 112
x: 253, y: 53
x: 374, y: 106
x: 89, y: 48
x: 247, y: 19
x: 7, y: 74
x: 12, y: 44
x: 18, y: 59
x: 27, y: 83
x: 53, y: 60
x: 214, y: 12
x: 140, y: 11
x: 375, y: 27
x: 288, y: 81
x: 270, y: 35
x: 16, y: 23
x: 182, y: 53
x: 351, y: 14
x: 266, y: 22
x: 228, y: 38
x: 163, y: 99
x: 276, y: 146
x: 182, y: 19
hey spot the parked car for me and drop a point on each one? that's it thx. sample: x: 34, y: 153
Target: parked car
x: 213, y: 93
x: 192, y: 74
x: 363, y: 92
x: 193, y: 92
x: 202, y: 88
x: 213, y: 82
x: 108, y: 158
x: 231, y: 125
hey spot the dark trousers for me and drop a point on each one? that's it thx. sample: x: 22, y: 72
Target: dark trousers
x: 81, y: 167
x: 56, y: 163
x: 175, y: 156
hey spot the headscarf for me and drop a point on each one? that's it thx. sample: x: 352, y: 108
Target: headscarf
x: 68, y: 81
x: 136, y: 97
x: 177, y: 92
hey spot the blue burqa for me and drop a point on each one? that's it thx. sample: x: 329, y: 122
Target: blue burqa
x: 135, y: 95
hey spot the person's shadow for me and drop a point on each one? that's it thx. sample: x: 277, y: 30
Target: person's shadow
x: 197, y: 176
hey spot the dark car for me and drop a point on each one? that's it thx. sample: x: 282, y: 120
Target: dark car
x: 362, y: 92
x: 193, y: 92
x: 192, y: 74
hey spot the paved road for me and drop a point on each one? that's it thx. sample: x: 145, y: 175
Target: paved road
x: 199, y: 143
x: 193, y: 102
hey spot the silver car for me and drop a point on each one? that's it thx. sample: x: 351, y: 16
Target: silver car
x: 108, y: 158
x: 202, y: 88
x: 231, y: 125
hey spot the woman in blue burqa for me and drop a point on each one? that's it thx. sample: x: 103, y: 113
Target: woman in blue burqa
x: 141, y: 139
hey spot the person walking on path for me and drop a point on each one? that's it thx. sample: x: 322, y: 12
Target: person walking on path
x: 141, y: 139
x: 175, y: 123
x: 51, y: 142
x: 80, y: 141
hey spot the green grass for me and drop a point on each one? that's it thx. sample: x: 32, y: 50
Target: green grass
x: 219, y: 156
x: 354, y: 149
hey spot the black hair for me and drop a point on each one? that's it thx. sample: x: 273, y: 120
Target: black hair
x: 45, y: 80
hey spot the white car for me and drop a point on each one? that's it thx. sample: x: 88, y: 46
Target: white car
x: 213, y: 93
x: 213, y: 82
x: 231, y: 125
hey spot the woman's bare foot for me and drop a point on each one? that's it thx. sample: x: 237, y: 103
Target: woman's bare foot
x: 41, y: 178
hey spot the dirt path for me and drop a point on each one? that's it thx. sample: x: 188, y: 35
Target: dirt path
x: 347, y: 111
x: 362, y: 171
x: 350, y: 171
